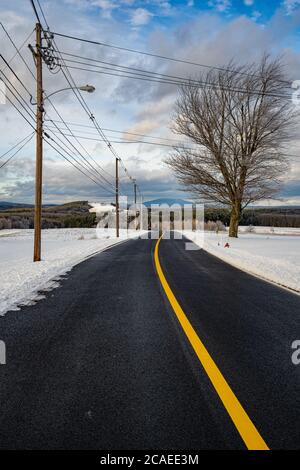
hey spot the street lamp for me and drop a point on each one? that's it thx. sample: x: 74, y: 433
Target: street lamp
x: 87, y: 88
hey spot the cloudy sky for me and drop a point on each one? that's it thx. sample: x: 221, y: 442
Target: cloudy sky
x: 204, y: 31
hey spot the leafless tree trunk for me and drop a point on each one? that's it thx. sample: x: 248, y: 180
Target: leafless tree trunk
x: 238, y: 119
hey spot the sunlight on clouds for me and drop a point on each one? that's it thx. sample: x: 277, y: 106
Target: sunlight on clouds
x: 142, y: 127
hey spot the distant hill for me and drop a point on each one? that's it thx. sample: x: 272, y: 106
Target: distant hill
x: 10, y: 205
x: 169, y: 201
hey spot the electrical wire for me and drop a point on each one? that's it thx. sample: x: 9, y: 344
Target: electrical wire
x: 16, y: 76
x: 17, y: 151
x: 16, y: 145
x: 13, y: 104
x: 150, y: 54
x: 60, y: 152
x: 35, y: 11
x: 83, y: 103
x: 159, y: 77
x: 119, y: 132
x: 86, y: 162
x: 72, y: 135
x: 20, y: 112
x: 186, y: 147
x: 174, y: 82
x: 123, y: 141
x: 73, y: 86
x: 18, y: 49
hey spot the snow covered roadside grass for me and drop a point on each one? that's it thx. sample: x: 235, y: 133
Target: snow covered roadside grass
x: 21, y: 279
x: 272, y: 257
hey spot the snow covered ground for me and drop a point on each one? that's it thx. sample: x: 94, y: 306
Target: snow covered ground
x: 272, y: 256
x: 21, y: 279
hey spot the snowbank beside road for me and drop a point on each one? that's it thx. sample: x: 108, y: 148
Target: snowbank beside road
x: 21, y: 279
x: 273, y: 257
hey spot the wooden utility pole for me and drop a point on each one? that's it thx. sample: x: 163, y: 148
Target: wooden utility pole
x: 39, y: 146
x: 134, y: 183
x: 117, y: 199
x: 135, y: 208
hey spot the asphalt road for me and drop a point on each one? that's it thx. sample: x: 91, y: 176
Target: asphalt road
x: 103, y: 363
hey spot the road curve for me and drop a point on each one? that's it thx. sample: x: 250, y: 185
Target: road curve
x: 103, y: 363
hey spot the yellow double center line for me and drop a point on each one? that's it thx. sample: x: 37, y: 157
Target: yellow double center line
x: 240, y: 418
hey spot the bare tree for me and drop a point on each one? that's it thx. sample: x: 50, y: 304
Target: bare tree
x: 239, y: 119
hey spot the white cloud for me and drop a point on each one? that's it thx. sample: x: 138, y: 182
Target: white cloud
x: 220, y: 5
x: 291, y: 5
x: 256, y: 15
x: 248, y: 3
x: 107, y: 6
x: 141, y: 16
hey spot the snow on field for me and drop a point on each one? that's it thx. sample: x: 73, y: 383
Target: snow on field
x: 270, y: 230
x: 21, y: 279
x: 273, y: 257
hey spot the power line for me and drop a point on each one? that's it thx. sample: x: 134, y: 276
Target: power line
x: 72, y: 135
x: 23, y: 60
x: 78, y: 95
x: 13, y: 104
x: 149, y: 78
x: 121, y: 132
x: 78, y: 162
x: 35, y: 11
x: 28, y: 121
x: 163, y: 145
x: 19, y: 80
x: 20, y: 112
x: 151, y: 54
x: 16, y: 145
x: 42, y: 12
x: 122, y: 141
x: 17, y: 151
x: 86, y: 162
x: 18, y: 50
x: 156, y: 76
x: 123, y: 67
x: 15, y: 75
x: 132, y: 142
x: 83, y: 103
x: 70, y: 161
x: 17, y: 95
x: 73, y: 87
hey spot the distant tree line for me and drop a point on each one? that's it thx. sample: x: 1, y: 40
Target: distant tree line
x: 276, y: 217
x: 267, y: 217
x: 70, y: 215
